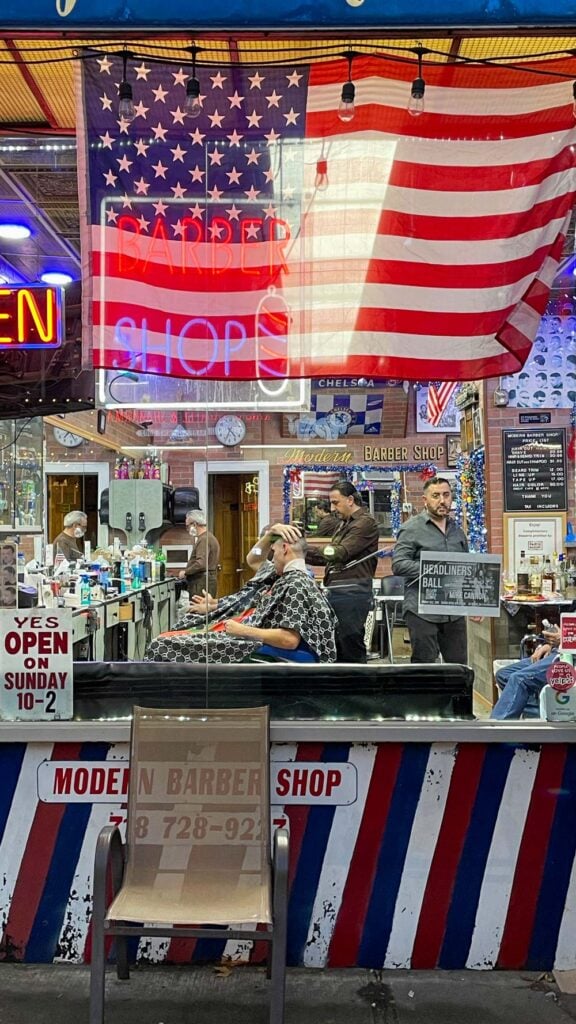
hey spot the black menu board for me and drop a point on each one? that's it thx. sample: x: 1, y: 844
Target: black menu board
x: 535, y: 470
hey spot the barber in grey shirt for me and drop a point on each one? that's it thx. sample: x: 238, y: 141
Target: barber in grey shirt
x: 431, y: 530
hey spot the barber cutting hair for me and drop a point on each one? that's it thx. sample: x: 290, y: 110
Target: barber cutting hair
x: 349, y: 567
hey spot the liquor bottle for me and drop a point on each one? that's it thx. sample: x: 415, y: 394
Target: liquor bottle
x: 523, y: 576
x: 548, y: 579
x: 560, y: 575
x: 535, y: 575
x: 570, y: 592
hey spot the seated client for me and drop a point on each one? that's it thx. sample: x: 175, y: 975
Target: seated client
x: 521, y: 682
x: 291, y: 619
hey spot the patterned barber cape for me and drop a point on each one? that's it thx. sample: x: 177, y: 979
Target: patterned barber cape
x: 292, y: 602
x: 232, y: 604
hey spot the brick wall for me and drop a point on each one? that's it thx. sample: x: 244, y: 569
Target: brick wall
x: 94, y: 447
x: 267, y: 430
x: 498, y: 420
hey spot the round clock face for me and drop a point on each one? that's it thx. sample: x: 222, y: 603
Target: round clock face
x: 67, y: 438
x: 230, y: 430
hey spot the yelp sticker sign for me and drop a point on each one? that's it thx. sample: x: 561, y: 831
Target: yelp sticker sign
x: 561, y: 676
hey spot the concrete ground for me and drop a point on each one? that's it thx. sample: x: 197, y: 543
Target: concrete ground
x: 32, y: 994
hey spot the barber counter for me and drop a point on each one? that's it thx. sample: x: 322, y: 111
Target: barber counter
x: 118, y: 629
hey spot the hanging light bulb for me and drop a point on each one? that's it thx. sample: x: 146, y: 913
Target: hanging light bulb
x: 346, y: 109
x: 126, y: 100
x: 193, y: 103
x: 574, y: 98
x: 321, y: 179
x: 418, y: 88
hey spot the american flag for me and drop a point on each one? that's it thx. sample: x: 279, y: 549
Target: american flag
x: 268, y: 239
x: 438, y: 398
x: 319, y: 485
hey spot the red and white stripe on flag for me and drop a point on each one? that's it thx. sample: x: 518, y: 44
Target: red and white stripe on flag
x: 319, y: 485
x: 439, y: 396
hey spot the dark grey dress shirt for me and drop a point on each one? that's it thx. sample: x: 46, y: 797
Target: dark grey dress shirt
x: 421, y: 534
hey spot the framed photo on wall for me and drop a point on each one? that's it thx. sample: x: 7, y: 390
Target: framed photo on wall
x: 453, y: 450
x: 450, y: 419
x: 463, y: 435
x: 477, y: 425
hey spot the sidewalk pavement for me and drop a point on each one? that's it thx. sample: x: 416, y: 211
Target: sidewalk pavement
x: 58, y: 994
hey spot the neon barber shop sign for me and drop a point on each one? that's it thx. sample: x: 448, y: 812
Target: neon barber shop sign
x: 205, y: 306
x: 31, y: 317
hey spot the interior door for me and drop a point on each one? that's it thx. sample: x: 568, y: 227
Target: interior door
x: 234, y: 504
x: 69, y: 492
x: 248, y: 522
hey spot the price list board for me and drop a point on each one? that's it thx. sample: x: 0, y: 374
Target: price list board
x: 535, y: 478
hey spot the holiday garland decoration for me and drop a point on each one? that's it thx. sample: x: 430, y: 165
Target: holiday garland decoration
x: 395, y: 505
x: 292, y: 474
x: 470, y: 498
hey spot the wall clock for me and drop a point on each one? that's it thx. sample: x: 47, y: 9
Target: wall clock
x: 230, y: 430
x: 67, y: 438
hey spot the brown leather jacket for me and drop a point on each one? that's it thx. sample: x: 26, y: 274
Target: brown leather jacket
x: 352, y: 539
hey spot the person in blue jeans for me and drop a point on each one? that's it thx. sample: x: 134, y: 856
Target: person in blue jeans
x: 522, y: 680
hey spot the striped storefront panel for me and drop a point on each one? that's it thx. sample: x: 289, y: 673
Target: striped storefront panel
x: 445, y: 855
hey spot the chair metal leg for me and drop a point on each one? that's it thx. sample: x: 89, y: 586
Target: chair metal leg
x: 279, y: 924
x: 389, y: 632
x: 97, y: 964
x: 122, y: 965
x: 108, y: 844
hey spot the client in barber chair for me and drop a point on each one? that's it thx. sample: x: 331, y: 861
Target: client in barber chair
x: 291, y: 621
x: 210, y: 610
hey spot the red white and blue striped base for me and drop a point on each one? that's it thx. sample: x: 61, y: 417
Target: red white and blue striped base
x: 452, y: 856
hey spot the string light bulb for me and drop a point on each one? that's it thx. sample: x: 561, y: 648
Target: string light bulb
x: 126, y: 100
x: 321, y: 179
x: 418, y: 87
x: 193, y: 103
x: 346, y: 109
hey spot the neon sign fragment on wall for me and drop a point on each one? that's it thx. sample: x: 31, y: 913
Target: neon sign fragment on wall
x: 31, y: 317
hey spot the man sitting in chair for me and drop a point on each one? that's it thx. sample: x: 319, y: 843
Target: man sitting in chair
x: 290, y: 621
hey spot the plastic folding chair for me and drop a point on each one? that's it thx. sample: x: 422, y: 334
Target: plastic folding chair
x: 197, y: 855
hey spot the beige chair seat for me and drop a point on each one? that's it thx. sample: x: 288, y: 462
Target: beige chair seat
x: 211, y: 903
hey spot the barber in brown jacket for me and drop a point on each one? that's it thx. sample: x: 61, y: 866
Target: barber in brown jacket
x: 349, y: 587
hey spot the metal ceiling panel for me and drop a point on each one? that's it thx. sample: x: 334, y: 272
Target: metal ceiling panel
x: 17, y: 102
x: 513, y: 47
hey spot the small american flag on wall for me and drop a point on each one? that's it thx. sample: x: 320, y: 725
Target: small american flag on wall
x: 439, y: 396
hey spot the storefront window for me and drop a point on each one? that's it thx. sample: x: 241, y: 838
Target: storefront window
x: 21, y: 483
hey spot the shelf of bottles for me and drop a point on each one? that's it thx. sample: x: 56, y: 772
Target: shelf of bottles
x: 21, y: 475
